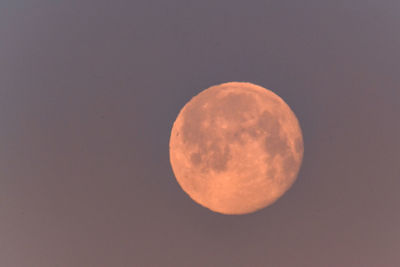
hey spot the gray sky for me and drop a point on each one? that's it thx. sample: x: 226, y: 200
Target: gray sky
x: 88, y: 94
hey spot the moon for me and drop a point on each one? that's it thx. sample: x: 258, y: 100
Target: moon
x: 236, y: 148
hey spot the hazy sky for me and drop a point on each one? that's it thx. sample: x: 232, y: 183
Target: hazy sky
x: 88, y: 94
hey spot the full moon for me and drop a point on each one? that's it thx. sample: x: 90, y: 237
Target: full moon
x: 236, y: 148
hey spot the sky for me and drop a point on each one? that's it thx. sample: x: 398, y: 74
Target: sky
x: 89, y: 91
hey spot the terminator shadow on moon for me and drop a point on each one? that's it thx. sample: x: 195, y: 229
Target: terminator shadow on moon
x: 236, y: 147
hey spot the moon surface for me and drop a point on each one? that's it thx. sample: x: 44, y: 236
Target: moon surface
x: 236, y: 148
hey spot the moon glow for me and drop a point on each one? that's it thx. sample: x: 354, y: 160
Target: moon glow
x: 236, y: 148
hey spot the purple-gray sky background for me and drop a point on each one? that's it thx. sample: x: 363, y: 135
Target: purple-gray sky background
x: 88, y: 94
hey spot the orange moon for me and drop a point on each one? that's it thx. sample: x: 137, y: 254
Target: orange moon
x: 236, y: 148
